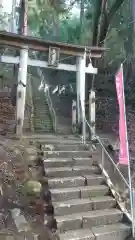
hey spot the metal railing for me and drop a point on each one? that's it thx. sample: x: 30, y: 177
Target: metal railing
x: 103, y: 152
x: 116, y: 180
x: 53, y: 114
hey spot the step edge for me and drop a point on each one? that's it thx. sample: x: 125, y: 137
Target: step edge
x: 80, y: 188
x: 81, y: 215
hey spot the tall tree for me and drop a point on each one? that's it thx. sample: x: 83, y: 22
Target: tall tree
x: 103, y: 18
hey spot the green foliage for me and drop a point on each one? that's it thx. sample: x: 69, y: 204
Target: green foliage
x: 117, y: 34
x: 69, y: 30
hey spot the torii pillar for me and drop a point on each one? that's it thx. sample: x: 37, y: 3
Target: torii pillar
x: 22, y: 75
x: 80, y: 83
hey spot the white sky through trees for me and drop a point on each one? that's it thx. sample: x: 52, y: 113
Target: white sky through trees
x: 7, y: 7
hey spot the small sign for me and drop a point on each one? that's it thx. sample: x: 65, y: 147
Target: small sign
x: 53, y: 59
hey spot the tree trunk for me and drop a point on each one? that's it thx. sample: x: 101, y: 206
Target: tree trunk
x: 107, y: 21
x: 81, y: 20
x: 129, y: 49
x: 133, y: 12
x: 56, y: 26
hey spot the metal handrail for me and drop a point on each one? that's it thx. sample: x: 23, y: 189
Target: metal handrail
x: 110, y: 158
x: 49, y: 101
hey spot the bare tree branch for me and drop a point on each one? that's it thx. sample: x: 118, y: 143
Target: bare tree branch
x: 107, y: 20
x: 103, y: 19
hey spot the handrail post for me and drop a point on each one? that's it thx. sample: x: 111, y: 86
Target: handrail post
x: 74, y: 116
x: 133, y: 213
x: 102, y: 157
x: 78, y: 63
x: 92, y: 113
x: 82, y: 68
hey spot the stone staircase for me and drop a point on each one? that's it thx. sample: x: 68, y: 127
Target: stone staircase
x: 42, y: 117
x: 63, y: 110
x: 83, y: 205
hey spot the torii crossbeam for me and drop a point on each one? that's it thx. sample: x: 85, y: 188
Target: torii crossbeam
x: 37, y: 44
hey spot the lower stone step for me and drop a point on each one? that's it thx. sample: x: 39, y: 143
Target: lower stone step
x: 72, y: 206
x: 64, y: 194
x: 83, y: 205
x: 75, y: 181
x: 88, y: 219
x: 81, y: 234
x: 71, y: 171
x: 117, y: 231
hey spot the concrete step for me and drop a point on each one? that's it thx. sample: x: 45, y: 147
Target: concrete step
x: 44, y: 119
x: 72, y: 206
x: 103, y: 202
x: 88, y: 219
x: 54, y: 140
x: 71, y: 171
x: 117, y: 231
x: 61, y: 140
x: 44, y: 122
x: 64, y: 194
x: 80, y: 234
x: 41, y: 112
x: 69, y: 162
x: 66, y: 154
x: 83, y: 205
x: 75, y: 181
x: 69, y: 147
x: 43, y: 129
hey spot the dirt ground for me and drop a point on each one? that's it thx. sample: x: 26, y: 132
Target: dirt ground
x: 14, y: 171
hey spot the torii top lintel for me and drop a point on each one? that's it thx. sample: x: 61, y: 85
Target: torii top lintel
x: 39, y: 44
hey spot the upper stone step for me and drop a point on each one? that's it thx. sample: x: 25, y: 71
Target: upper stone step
x: 64, y: 194
x: 75, y: 181
x: 71, y: 171
x: 88, y: 219
x: 66, y: 154
x: 117, y: 231
x: 53, y: 138
x: 69, y: 162
x: 64, y: 147
x: 83, y: 205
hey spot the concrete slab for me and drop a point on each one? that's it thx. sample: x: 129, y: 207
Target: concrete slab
x: 69, y: 222
x: 119, y: 231
x: 72, y: 206
x: 88, y: 219
x: 100, y: 217
x: 70, y: 171
x: 99, y: 203
x: 63, y: 194
x: 66, y: 182
x: 93, y: 191
x: 81, y: 234
x: 66, y: 154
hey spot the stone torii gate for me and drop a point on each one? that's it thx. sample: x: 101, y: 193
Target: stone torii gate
x: 54, y: 49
